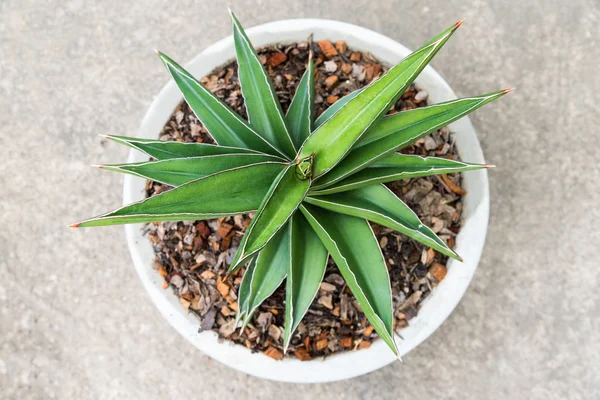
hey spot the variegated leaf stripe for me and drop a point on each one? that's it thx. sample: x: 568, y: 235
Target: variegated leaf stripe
x: 395, y: 167
x: 162, y: 149
x: 300, y: 114
x: 179, y: 171
x: 272, y: 271
x: 263, y: 107
x: 222, y: 123
x: 244, y: 188
x: 379, y: 204
x: 244, y: 291
x: 379, y: 147
x: 334, y: 139
x: 307, y: 269
x: 335, y: 107
x: 383, y: 328
x: 280, y: 203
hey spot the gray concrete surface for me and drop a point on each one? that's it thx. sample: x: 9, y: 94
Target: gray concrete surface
x: 75, y: 323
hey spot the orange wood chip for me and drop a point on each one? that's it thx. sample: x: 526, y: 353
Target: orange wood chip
x: 321, y: 344
x: 355, y: 56
x: 365, y: 344
x: 222, y: 287
x: 224, y: 229
x: 302, y: 355
x: 332, y: 99
x: 327, y: 48
x: 346, y: 342
x: 331, y: 81
x: 277, y: 58
x: 368, y: 330
x: 340, y: 46
x: 203, y: 229
x: 274, y: 353
x: 346, y: 68
x: 454, y: 187
x: 438, y: 271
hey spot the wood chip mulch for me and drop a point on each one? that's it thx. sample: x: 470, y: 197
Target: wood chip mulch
x: 193, y: 256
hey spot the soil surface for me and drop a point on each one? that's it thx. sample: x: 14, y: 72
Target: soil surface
x: 194, y: 255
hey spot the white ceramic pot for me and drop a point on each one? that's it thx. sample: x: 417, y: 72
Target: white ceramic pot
x: 436, y: 308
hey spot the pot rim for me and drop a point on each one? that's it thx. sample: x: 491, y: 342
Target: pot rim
x: 435, y: 309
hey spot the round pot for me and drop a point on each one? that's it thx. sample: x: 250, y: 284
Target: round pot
x: 435, y: 309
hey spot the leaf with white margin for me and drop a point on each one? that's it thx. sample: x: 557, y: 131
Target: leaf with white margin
x: 398, y: 166
x: 271, y: 267
x: 179, y: 171
x: 221, y: 122
x: 244, y: 189
x: 377, y: 203
x: 263, y: 107
x: 309, y: 260
x: 166, y: 149
x: 281, y: 201
x: 394, y: 132
x: 354, y: 248
x: 300, y: 114
x: 333, y: 140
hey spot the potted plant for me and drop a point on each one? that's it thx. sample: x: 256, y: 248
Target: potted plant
x: 312, y: 184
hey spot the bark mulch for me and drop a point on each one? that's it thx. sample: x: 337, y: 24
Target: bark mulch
x: 193, y: 256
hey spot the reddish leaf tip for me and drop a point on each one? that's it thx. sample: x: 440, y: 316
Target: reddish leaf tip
x: 505, y: 91
x: 459, y: 23
x: 97, y: 166
x: 75, y: 225
x: 489, y: 166
x: 156, y: 51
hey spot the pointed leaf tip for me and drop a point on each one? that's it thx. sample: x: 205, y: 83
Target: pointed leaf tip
x: 156, y: 51
x: 505, y: 91
x: 75, y: 225
x: 489, y: 166
x: 459, y: 23
x: 97, y: 166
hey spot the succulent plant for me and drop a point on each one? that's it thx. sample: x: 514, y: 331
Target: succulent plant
x: 313, y: 183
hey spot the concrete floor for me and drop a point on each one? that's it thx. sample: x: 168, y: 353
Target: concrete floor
x: 75, y: 321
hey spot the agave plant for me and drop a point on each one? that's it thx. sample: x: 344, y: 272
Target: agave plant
x: 313, y: 183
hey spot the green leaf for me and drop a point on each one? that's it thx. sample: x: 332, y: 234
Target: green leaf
x: 264, y: 110
x: 309, y: 260
x: 163, y: 150
x: 335, y: 107
x: 396, y: 131
x: 223, y: 124
x: 300, y: 114
x: 281, y: 201
x: 396, y: 166
x: 179, y: 171
x: 356, y: 252
x: 272, y: 265
x: 226, y: 193
x: 332, y: 140
x: 378, y: 204
x: 244, y: 291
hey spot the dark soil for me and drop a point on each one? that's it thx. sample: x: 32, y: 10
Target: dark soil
x: 193, y: 256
